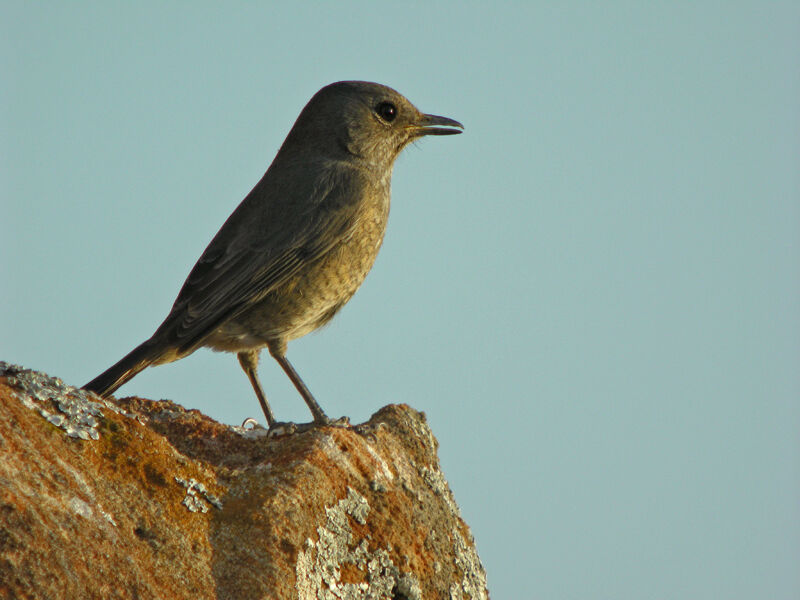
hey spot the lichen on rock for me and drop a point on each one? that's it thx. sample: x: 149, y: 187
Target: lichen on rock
x: 320, y: 564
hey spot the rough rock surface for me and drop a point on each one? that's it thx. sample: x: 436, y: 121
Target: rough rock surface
x: 143, y: 499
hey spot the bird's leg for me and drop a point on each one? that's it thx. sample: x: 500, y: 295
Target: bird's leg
x: 249, y: 362
x: 313, y: 406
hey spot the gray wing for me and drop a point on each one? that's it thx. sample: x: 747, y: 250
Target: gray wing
x: 267, y: 239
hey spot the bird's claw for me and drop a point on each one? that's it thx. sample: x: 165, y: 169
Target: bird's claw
x: 280, y: 429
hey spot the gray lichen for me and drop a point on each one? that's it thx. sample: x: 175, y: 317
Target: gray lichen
x: 198, y: 498
x: 83, y: 509
x: 77, y: 409
x: 250, y: 429
x: 473, y: 581
x: 437, y: 482
x: 80, y: 507
x: 424, y: 432
x: 319, y: 564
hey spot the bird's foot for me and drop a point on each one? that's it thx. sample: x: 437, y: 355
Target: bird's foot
x: 343, y: 422
x: 288, y: 428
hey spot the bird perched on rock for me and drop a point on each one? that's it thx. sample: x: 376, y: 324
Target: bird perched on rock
x: 299, y: 245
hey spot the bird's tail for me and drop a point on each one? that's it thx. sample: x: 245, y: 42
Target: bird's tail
x: 134, y: 362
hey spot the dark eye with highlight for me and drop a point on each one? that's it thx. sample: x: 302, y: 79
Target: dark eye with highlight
x: 386, y: 111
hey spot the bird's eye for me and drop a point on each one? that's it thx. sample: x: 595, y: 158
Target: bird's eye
x: 386, y: 111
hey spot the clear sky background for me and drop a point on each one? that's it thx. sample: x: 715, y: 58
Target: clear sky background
x: 593, y: 293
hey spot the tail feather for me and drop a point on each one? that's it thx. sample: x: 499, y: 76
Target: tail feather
x: 126, y: 369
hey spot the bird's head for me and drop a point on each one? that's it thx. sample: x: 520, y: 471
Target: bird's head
x: 368, y: 121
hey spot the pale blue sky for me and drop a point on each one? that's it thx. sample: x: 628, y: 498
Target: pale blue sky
x: 593, y: 293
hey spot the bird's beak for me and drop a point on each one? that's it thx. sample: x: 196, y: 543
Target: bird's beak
x: 435, y: 125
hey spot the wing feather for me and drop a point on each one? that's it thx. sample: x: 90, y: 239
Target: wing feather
x: 266, y: 241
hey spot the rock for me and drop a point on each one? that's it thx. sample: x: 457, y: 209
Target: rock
x: 141, y: 499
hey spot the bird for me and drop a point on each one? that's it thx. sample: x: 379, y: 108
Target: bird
x: 299, y: 245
